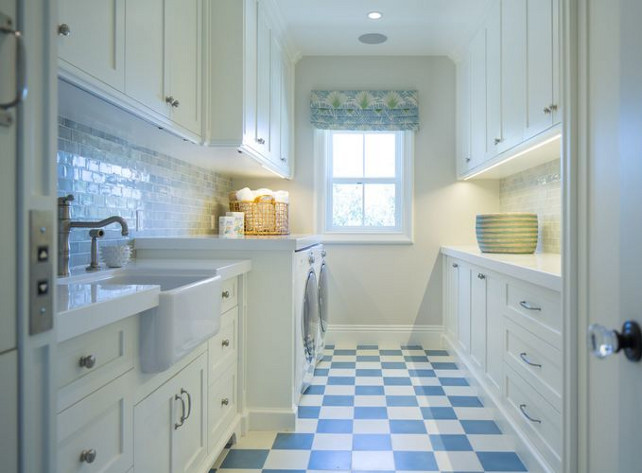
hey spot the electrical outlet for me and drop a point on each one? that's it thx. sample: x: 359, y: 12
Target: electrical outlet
x: 140, y: 217
x: 212, y: 222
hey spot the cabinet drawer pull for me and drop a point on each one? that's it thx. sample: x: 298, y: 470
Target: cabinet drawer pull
x: 225, y: 295
x: 468, y: 160
x: 284, y: 159
x: 455, y: 265
x: 553, y: 107
x: 528, y: 306
x: 481, y: 276
x: 88, y: 361
x: 547, y: 110
x: 522, y: 407
x: 225, y: 402
x: 88, y: 456
x: 260, y: 141
x: 64, y: 30
x: 527, y: 361
x: 169, y: 100
x: 226, y: 342
x: 189, y: 403
x: 497, y: 141
x: 182, y: 420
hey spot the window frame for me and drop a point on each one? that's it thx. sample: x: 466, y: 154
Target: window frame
x: 402, y: 233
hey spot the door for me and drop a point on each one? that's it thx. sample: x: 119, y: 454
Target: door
x: 610, y: 155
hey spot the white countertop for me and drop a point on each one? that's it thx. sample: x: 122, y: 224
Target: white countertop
x: 543, y: 269
x: 86, y: 301
x: 213, y: 242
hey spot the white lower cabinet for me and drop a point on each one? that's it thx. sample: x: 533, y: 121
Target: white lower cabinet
x: 509, y: 333
x: 170, y: 434
x: 9, y: 410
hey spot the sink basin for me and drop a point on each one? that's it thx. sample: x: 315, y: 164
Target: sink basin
x: 188, y: 312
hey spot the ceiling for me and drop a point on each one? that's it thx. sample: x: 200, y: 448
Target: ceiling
x: 413, y: 27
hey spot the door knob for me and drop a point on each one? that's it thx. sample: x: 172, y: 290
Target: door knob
x: 604, y: 342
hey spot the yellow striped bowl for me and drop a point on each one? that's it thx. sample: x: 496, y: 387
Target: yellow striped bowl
x: 507, y: 233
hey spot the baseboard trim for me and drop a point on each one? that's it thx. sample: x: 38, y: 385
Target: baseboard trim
x: 271, y: 419
x: 395, y: 335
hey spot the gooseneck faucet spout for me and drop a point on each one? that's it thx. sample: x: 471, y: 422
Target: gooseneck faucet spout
x: 64, y: 229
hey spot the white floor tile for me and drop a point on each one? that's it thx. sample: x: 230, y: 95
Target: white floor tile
x: 311, y: 400
x: 335, y: 390
x: 373, y: 460
x: 371, y: 426
x: 331, y: 412
x: 492, y: 443
x: 306, y: 426
x: 411, y: 442
x: 444, y: 427
x: 458, y: 461
x: 370, y: 401
x: 369, y: 381
x: 342, y: 372
x: 395, y: 412
x: 473, y: 413
x: 368, y: 365
x: 433, y: 401
x: 332, y: 442
x: 399, y: 390
x: 256, y: 440
x: 287, y: 460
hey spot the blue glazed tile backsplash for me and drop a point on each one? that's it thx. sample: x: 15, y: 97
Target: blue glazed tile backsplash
x: 157, y: 194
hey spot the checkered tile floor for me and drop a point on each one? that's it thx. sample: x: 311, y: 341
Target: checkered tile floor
x: 383, y: 410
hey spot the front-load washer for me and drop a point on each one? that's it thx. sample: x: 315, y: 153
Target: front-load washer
x: 306, y: 300
x: 323, y: 304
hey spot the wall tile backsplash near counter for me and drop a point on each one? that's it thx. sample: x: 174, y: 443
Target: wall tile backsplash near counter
x: 157, y: 194
x: 537, y: 190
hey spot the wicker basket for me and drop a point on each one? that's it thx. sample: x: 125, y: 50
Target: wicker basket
x: 264, y: 216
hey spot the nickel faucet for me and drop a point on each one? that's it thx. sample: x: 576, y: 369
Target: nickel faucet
x: 64, y: 229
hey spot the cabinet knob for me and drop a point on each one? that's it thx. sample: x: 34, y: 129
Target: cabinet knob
x: 88, y: 361
x: 497, y: 141
x: 171, y: 100
x: 260, y: 141
x: 283, y: 158
x: 481, y: 276
x: 225, y: 343
x: 553, y: 107
x: 455, y: 265
x: 64, y: 30
x: 468, y: 160
x: 225, y: 402
x: 88, y: 456
x: 225, y: 294
x: 175, y: 103
x: 547, y: 110
x: 604, y: 342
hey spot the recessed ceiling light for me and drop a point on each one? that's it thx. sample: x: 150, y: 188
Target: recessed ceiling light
x: 373, y: 38
x: 375, y: 15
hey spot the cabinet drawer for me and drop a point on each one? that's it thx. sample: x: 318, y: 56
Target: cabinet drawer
x: 536, y: 361
x: 222, y: 347
x: 90, y: 361
x: 102, y: 424
x: 222, y: 397
x: 229, y: 294
x: 544, y: 429
x: 537, y: 309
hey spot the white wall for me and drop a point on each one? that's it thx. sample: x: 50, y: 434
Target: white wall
x: 379, y: 284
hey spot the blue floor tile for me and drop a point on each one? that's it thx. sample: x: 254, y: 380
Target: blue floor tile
x: 315, y: 389
x: 407, y: 427
x: 284, y: 471
x: 370, y: 358
x: 321, y: 372
x: 465, y: 401
x: 343, y: 365
x: 327, y: 358
x: 402, y: 401
x: 245, y: 459
x: 367, y: 347
x: 378, y: 442
x: 329, y: 347
x: 369, y: 390
x: 370, y: 413
x: 369, y: 373
x: 437, y: 353
x: 334, y: 426
x: 422, y: 373
x: 444, y: 366
x: 390, y: 352
x: 330, y: 460
x: 415, y: 461
x: 344, y: 352
x: 500, y: 461
x: 396, y: 381
x: 438, y: 413
x: 418, y: 358
x: 487, y: 427
x: 309, y: 412
x: 429, y: 390
x: 453, y: 382
x: 292, y: 441
x: 411, y: 347
x: 341, y: 381
x: 450, y: 443
x: 393, y: 365
x: 338, y: 400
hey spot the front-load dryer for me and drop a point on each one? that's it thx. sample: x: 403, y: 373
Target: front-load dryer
x: 323, y: 304
x: 306, y: 300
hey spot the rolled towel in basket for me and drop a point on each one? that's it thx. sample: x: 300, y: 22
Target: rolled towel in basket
x: 282, y: 196
x: 263, y: 191
x: 245, y: 195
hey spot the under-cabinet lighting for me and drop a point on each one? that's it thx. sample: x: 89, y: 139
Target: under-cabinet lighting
x: 375, y: 15
x: 517, y: 155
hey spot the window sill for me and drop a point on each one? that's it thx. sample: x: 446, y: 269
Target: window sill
x: 365, y: 239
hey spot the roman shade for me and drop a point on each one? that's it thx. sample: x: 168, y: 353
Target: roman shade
x: 365, y: 110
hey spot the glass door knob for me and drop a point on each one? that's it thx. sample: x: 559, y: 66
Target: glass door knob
x: 604, y: 342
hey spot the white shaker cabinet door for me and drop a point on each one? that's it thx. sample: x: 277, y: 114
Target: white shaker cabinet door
x: 463, y: 307
x: 263, y: 86
x: 276, y: 79
x: 478, y: 279
x: 464, y: 158
x: 92, y: 39
x: 478, y: 99
x: 9, y: 411
x: 494, y: 119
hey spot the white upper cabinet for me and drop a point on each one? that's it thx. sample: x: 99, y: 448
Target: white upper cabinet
x: 92, y: 40
x: 508, y: 84
x: 248, y: 64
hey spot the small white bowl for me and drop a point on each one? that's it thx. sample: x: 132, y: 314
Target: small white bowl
x: 115, y: 256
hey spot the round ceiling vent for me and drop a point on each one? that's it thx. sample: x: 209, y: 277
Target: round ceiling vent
x: 373, y: 38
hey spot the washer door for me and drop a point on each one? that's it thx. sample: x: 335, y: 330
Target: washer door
x: 310, y: 317
x: 323, y: 298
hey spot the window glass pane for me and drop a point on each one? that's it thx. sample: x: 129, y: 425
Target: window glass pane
x: 347, y: 155
x: 379, y: 205
x: 380, y: 155
x: 347, y: 205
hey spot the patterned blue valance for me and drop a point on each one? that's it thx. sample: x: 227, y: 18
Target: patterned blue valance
x: 365, y: 110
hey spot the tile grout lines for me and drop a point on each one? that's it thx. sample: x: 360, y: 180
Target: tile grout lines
x: 372, y: 409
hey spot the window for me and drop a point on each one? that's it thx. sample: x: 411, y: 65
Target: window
x: 367, y: 185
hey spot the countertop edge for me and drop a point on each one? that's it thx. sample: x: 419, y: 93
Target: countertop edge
x: 254, y: 243
x: 548, y: 279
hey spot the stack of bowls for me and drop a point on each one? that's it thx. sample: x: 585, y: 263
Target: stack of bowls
x: 507, y: 233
